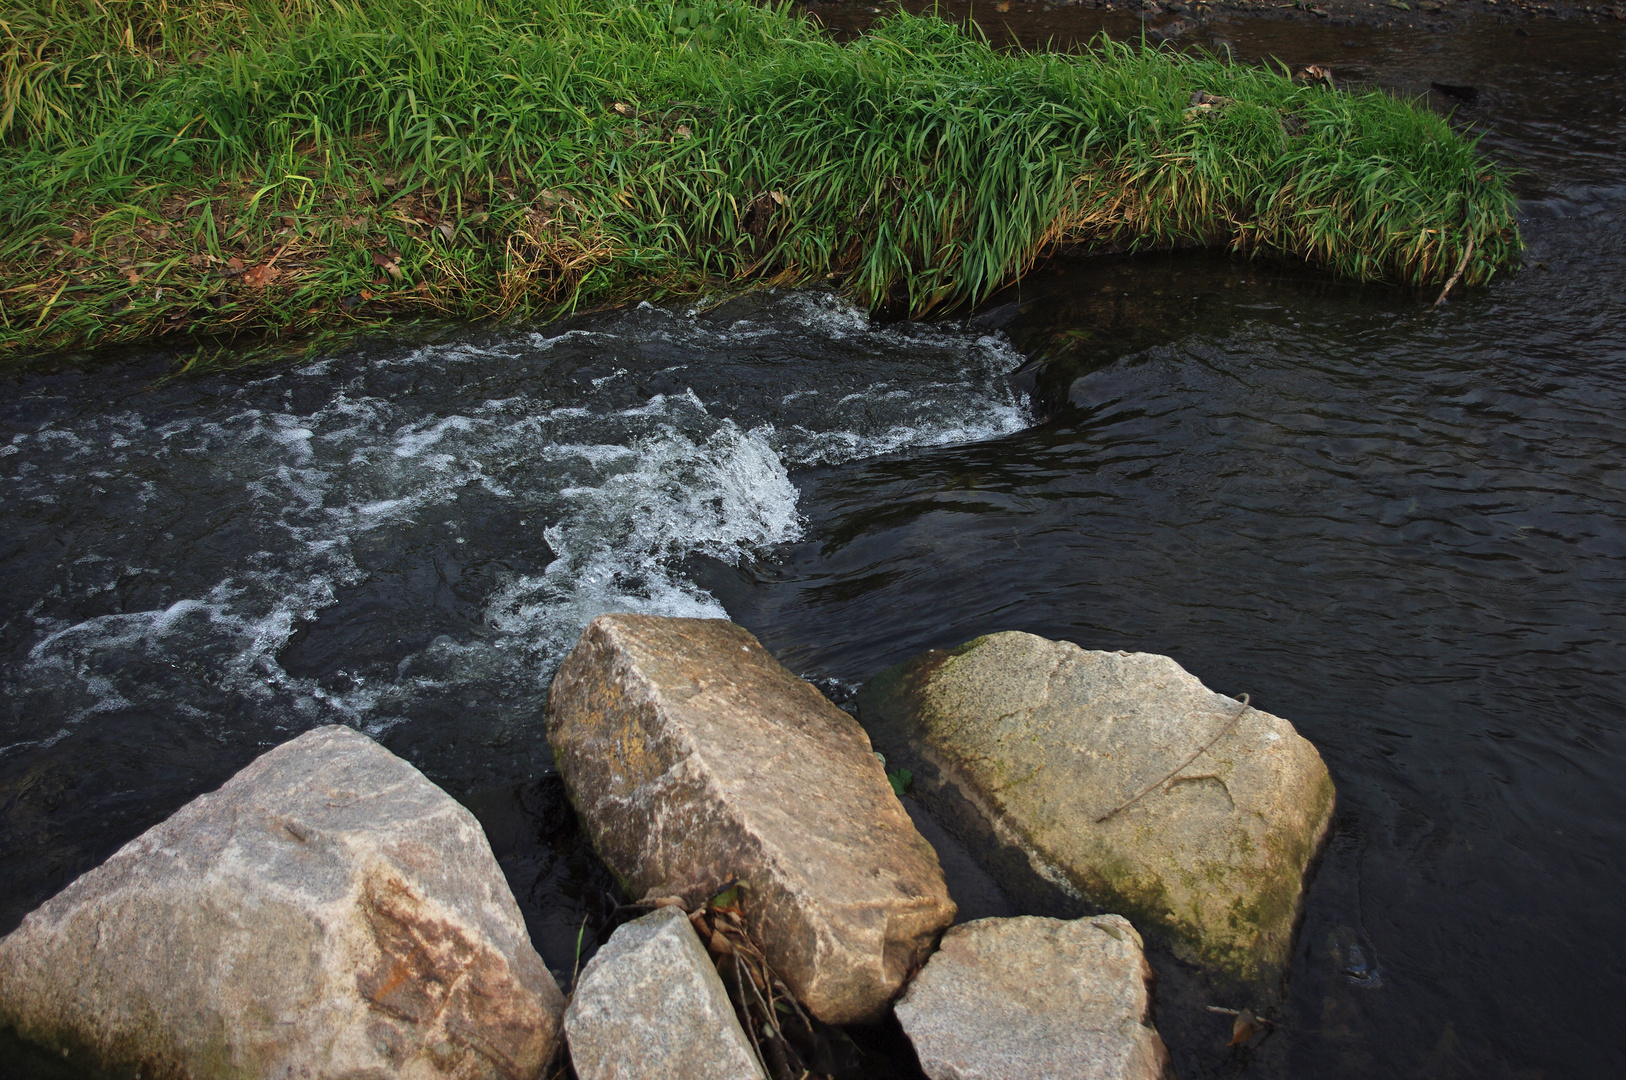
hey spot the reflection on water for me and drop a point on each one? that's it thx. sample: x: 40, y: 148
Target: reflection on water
x: 1405, y: 532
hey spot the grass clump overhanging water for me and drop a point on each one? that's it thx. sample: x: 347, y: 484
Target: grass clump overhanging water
x: 276, y: 165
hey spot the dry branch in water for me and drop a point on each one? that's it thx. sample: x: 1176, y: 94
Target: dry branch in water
x: 1178, y: 769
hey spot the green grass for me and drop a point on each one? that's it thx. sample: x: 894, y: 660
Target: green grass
x: 255, y: 165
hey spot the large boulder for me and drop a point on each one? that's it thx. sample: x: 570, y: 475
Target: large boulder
x: 328, y: 912
x: 694, y: 758
x: 1059, y: 758
x: 650, y: 1004
x: 1016, y: 999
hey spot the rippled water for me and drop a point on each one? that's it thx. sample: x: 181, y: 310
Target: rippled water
x: 1405, y: 532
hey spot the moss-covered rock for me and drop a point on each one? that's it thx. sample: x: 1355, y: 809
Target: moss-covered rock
x: 1055, y: 755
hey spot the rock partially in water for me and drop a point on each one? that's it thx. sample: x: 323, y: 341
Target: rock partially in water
x: 650, y: 1004
x: 1014, y: 999
x: 1056, y: 754
x: 695, y: 758
x: 327, y: 912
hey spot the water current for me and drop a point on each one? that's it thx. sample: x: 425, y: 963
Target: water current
x: 1404, y: 531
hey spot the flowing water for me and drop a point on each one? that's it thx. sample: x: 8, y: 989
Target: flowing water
x: 1405, y: 532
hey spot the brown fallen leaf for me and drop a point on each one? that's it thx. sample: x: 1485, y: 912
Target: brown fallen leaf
x: 260, y: 276
x: 1002, y: 7
x: 683, y: 131
x: 623, y: 108
x: 132, y: 275
x: 1243, y: 1028
x: 447, y: 231
x: 234, y: 265
x: 388, y: 264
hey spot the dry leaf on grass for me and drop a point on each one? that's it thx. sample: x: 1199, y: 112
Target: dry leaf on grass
x: 261, y: 276
x: 388, y: 264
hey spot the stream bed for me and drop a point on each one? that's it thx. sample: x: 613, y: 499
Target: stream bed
x: 1404, y: 531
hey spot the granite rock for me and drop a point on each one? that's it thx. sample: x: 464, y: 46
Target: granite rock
x: 1057, y: 753
x: 326, y: 913
x: 1031, y: 997
x: 650, y: 1003
x: 694, y: 758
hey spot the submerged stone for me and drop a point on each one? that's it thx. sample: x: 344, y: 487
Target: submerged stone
x: 1015, y: 999
x: 650, y: 1004
x: 1058, y: 756
x: 694, y: 759
x: 328, y: 912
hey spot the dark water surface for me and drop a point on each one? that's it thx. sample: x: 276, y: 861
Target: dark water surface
x: 1404, y: 532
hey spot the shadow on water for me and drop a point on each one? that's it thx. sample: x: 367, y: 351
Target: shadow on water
x: 1405, y: 532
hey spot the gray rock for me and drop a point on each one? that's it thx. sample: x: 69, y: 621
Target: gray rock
x: 1032, y: 998
x: 650, y: 1004
x: 694, y: 757
x: 328, y: 912
x: 1045, y: 746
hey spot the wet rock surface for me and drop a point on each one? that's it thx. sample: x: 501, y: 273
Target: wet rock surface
x: 1014, y: 999
x: 650, y: 1004
x: 1116, y: 781
x: 327, y: 912
x: 695, y: 758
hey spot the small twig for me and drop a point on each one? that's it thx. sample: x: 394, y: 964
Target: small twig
x: 794, y: 1004
x: 740, y: 978
x: 1238, y: 1012
x: 1461, y: 266
x: 771, y: 1032
x: 1178, y: 768
x: 273, y: 260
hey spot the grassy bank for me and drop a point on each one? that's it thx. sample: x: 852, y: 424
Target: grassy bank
x: 223, y: 166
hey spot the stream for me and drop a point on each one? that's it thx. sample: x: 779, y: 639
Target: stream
x: 1403, y: 531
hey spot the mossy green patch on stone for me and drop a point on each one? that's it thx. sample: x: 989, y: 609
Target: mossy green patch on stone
x: 1212, y: 861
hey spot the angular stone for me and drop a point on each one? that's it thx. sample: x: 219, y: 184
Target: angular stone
x: 328, y: 912
x: 693, y: 757
x: 1044, y: 747
x: 1015, y: 999
x: 649, y: 1003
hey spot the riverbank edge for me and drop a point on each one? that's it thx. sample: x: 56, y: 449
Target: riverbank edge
x: 344, y: 234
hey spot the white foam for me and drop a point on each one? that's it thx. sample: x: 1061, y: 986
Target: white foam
x: 617, y: 545
x: 622, y: 495
x: 414, y: 439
